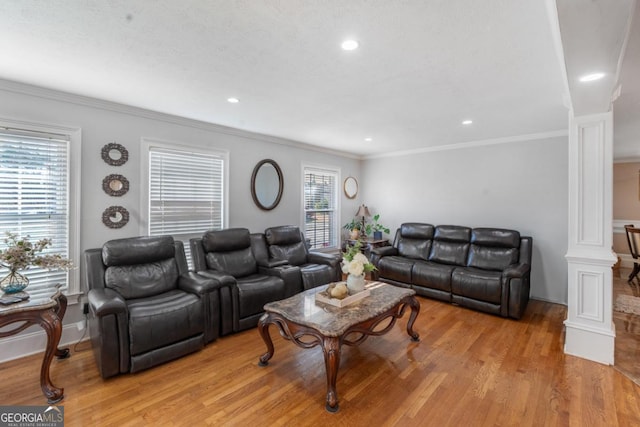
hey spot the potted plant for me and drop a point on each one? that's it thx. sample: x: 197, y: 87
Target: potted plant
x: 353, y: 228
x: 376, y: 228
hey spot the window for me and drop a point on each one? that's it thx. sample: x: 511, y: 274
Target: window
x: 37, y: 197
x: 186, y: 192
x: 321, y: 207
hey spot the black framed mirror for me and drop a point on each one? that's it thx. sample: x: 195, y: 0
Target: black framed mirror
x: 115, y: 185
x: 266, y: 184
x: 114, y: 154
x: 115, y: 217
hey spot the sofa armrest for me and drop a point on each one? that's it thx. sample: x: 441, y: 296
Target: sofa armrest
x: 221, y: 277
x: 384, y: 251
x: 323, y: 258
x: 198, y: 284
x: 272, y: 263
x: 289, y: 274
x: 516, y: 271
x: 105, y: 301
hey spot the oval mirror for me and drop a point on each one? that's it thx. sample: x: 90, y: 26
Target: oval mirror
x: 266, y: 184
x: 350, y: 187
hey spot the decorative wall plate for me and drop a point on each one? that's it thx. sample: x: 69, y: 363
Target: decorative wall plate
x: 115, y: 154
x: 115, y: 217
x: 115, y: 185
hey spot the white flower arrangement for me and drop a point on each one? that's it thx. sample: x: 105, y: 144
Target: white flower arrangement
x: 20, y: 254
x: 355, y: 262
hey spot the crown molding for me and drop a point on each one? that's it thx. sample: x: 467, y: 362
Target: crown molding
x: 470, y: 144
x: 42, y: 92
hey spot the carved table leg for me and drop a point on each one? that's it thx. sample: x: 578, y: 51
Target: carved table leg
x: 52, y: 325
x: 415, y: 310
x: 61, y: 309
x: 331, y: 349
x: 263, y: 328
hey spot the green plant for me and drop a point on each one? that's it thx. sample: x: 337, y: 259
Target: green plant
x: 353, y: 225
x: 374, y: 225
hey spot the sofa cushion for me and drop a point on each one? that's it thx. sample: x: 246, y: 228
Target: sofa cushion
x: 237, y: 263
x: 314, y: 275
x: 493, y: 248
x: 295, y: 253
x: 477, y: 284
x: 164, y: 319
x: 137, y: 250
x: 230, y: 239
x: 450, y: 245
x: 415, y: 240
x: 396, y: 268
x: 283, y: 235
x: 256, y: 290
x: 432, y: 275
x: 142, y: 280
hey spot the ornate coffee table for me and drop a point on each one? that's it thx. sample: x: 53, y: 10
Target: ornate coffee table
x: 308, y: 324
x: 46, y: 308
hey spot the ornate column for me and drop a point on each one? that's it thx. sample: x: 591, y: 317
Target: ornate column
x: 590, y: 332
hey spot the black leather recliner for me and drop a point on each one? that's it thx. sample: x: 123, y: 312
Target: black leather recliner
x: 316, y: 268
x: 228, y: 256
x: 145, y: 307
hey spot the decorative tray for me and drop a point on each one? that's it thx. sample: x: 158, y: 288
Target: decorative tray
x: 325, y: 298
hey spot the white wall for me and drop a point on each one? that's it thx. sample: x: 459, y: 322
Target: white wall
x: 103, y: 122
x: 517, y: 185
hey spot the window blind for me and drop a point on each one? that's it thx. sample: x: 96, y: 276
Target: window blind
x: 185, y: 193
x: 320, y: 207
x: 34, y: 196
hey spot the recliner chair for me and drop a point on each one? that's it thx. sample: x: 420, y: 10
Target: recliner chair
x: 145, y: 307
x: 228, y: 257
x: 287, y: 243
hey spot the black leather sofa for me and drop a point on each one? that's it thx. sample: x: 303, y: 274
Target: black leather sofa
x: 487, y: 269
x: 145, y: 307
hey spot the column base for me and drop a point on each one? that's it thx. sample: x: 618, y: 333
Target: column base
x: 590, y: 343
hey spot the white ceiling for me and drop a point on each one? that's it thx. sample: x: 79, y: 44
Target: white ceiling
x: 422, y: 66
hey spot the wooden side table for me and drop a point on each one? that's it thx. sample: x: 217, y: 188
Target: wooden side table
x: 45, y: 308
x: 367, y: 245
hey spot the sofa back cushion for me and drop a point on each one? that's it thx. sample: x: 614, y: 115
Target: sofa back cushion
x: 493, y: 248
x: 285, y: 243
x: 450, y: 245
x: 140, y: 267
x: 230, y: 251
x: 414, y: 240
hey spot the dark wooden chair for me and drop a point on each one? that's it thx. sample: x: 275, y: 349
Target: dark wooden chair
x: 633, y: 238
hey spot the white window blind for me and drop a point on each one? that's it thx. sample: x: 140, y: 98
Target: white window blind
x: 185, y: 193
x: 34, y: 196
x: 320, y: 207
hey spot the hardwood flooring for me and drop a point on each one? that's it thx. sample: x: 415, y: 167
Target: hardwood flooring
x: 627, y: 348
x: 469, y: 369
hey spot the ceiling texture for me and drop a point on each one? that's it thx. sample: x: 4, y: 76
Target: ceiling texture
x: 422, y: 67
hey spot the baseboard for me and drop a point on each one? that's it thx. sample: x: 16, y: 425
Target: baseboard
x: 626, y: 261
x: 26, y: 344
x: 589, y: 343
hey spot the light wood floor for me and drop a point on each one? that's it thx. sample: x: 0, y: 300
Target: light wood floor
x: 627, y: 348
x: 469, y: 369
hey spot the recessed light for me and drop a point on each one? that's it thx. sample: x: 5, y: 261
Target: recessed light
x: 591, y: 77
x: 467, y: 122
x: 368, y: 139
x: 349, y: 45
x: 233, y: 100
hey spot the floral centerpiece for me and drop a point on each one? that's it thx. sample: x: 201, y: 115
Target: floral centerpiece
x: 20, y: 254
x: 355, y: 264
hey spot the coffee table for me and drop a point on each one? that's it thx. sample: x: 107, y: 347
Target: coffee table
x: 308, y: 323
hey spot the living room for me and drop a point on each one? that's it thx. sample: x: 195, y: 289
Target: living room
x: 516, y: 178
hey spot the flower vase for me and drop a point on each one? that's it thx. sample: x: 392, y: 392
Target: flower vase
x: 13, y: 282
x: 355, y: 283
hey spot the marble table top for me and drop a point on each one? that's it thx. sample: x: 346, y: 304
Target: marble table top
x: 333, y: 321
x: 38, y: 300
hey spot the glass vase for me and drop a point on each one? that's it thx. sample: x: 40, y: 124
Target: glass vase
x: 13, y: 282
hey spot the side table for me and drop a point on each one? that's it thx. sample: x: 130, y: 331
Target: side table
x: 45, y: 308
x: 367, y: 245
